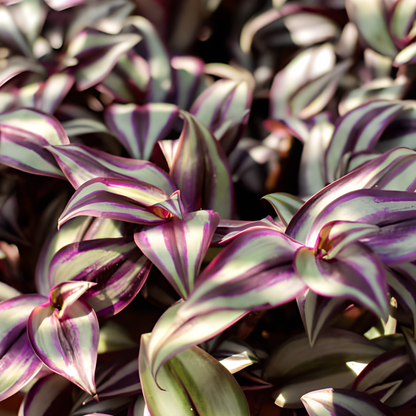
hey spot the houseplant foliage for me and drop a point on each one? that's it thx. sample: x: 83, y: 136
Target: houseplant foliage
x: 190, y: 230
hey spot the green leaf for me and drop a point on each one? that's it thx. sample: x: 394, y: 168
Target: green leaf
x: 195, y: 383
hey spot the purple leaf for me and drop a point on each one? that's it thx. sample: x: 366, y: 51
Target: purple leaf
x: 178, y: 247
x: 368, y: 206
x: 230, y: 229
x: 356, y: 273
x: 18, y: 367
x: 67, y: 344
x: 11, y: 35
x: 187, y: 72
x: 172, y: 333
x: 112, y: 296
x: 284, y: 204
x: 18, y: 363
x: 50, y: 394
x: 357, y: 131
x: 307, y: 66
x: 318, y: 312
x: 159, y: 63
x: 254, y: 272
x: 139, y: 128
x: 219, y: 104
x: 97, y: 53
x: 86, y: 260
x: 200, y: 170
x: 123, y: 200
x: 395, y: 243
x: 392, y: 170
x: 23, y: 135
x: 334, y: 402
x: 17, y: 65
x: 81, y: 163
x: 37, y: 123
x: 391, y: 366
x: 22, y: 150
x: 70, y: 232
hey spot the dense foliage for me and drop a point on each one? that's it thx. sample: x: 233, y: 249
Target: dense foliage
x: 208, y: 208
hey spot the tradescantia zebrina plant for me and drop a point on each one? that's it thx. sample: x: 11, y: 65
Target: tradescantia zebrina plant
x: 190, y: 230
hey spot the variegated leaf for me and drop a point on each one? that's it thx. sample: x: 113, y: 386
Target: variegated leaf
x: 392, y: 170
x: 24, y: 134
x: 177, y: 248
x: 49, y: 394
x: 219, y: 104
x: 254, y: 272
x: 333, y: 402
x: 187, y: 71
x: 70, y: 232
x: 356, y: 273
x: 123, y: 200
x: 317, y: 312
x: 173, y: 334
x: 200, y: 170
x: 97, y: 53
x: 284, y: 204
x: 73, y: 350
x: 139, y: 128
x: 297, y: 368
x: 306, y: 66
x: 81, y: 163
x: 159, y: 64
x: 18, y: 363
x: 194, y: 383
x: 392, y: 366
x: 11, y: 35
x: 357, y: 131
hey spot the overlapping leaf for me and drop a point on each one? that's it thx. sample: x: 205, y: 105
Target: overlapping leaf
x: 81, y: 163
x: 177, y: 248
x: 296, y: 368
x: 116, y: 264
x: 72, y: 326
x: 392, y: 366
x: 358, y: 131
x: 24, y: 134
x: 200, y: 170
x: 18, y: 363
x: 123, y: 200
x: 96, y: 53
x: 223, y: 108
x: 342, y: 401
x: 139, y: 128
x: 193, y: 383
x: 159, y: 64
x: 392, y: 170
